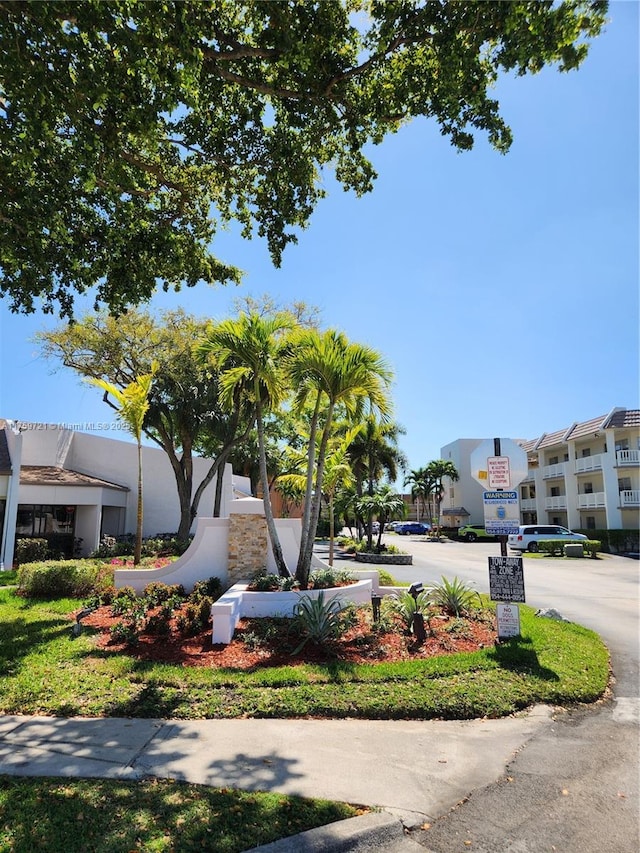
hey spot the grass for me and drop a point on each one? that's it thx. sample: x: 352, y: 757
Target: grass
x: 8, y: 577
x: 44, y: 670
x: 64, y: 816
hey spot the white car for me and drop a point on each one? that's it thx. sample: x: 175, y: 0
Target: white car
x: 528, y: 536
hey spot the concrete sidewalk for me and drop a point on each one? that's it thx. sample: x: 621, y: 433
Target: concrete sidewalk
x: 414, y: 771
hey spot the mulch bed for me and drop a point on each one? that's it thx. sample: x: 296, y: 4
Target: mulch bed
x: 270, y: 642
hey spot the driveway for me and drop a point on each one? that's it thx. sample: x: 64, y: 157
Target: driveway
x: 574, y: 787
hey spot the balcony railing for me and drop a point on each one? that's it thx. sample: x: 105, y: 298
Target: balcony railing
x: 593, y: 500
x: 628, y: 457
x: 554, y: 470
x: 630, y: 497
x: 589, y: 463
x: 556, y: 502
x: 528, y: 504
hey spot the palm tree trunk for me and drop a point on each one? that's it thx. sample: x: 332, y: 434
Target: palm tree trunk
x: 276, y: 548
x: 137, y: 554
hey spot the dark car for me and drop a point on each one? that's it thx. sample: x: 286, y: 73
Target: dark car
x: 412, y: 527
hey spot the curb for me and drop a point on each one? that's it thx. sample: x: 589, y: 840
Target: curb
x: 353, y: 834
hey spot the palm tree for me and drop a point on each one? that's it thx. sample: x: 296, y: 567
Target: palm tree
x: 384, y: 504
x: 133, y: 400
x: 374, y: 454
x: 437, y: 470
x: 328, y: 371
x: 250, y: 353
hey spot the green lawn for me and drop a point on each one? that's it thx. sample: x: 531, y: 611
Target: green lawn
x: 76, y: 816
x: 45, y: 670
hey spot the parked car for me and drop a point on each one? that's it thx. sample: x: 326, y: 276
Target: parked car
x: 473, y: 532
x: 528, y: 536
x: 412, y: 527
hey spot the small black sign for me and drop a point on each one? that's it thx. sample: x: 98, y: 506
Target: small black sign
x: 506, y: 579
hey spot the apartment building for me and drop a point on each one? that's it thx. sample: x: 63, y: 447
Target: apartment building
x: 585, y: 476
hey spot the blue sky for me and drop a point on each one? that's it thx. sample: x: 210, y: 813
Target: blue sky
x: 503, y: 290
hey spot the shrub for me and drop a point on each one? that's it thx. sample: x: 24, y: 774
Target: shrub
x: 405, y: 606
x: 455, y: 596
x: 159, y: 623
x: 326, y: 578
x: 211, y: 588
x: 318, y: 620
x: 30, y: 551
x: 264, y: 583
x: 57, y: 579
x: 126, y: 631
x: 189, y: 621
x: 156, y: 593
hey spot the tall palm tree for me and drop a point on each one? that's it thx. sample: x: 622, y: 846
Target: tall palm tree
x: 374, y: 454
x: 328, y: 371
x: 423, y: 491
x: 437, y: 470
x: 133, y: 400
x: 250, y: 352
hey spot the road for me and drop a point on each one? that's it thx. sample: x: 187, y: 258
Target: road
x: 575, y: 787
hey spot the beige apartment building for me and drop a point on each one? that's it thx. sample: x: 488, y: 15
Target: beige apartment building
x: 585, y: 476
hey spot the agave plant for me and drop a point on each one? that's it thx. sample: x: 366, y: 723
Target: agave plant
x: 318, y: 620
x: 455, y: 596
x: 406, y: 606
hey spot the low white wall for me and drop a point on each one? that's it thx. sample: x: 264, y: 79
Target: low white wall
x: 237, y: 603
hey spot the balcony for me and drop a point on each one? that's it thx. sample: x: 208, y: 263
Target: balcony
x: 556, y: 502
x: 627, y: 457
x: 589, y: 463
x: 630, y: 497
x: 554, y: 470
x: 594, y: 500
x: 528, y: 505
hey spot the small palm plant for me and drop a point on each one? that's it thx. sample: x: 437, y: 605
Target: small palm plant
x: 318, y: 620
x: 455, y: 596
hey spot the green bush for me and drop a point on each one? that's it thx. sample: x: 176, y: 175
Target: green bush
x: 317, y: 620
x: 31, y: 550
x: 455, y: 596
x: 555, y: 547
x: 326, y: 578
x: 57, y: 579
x: 211, y: 588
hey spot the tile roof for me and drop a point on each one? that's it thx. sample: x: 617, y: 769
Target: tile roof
x: 621, y: 418
x: 586, y: 428
x: 48, y: 475
x: 5, y: 456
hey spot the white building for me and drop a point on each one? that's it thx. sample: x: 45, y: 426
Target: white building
x: 585, y: 476
x: 55, y: 481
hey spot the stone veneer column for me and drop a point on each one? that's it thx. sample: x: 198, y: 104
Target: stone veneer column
x: 247, y: 546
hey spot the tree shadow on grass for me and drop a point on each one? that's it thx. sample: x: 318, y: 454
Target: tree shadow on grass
x: 19, y: 637
x: 518, y: 655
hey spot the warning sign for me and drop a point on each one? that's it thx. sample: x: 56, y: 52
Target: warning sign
x: 506, y: 579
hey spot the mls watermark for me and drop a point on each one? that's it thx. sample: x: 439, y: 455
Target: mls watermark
x: 80, y: 426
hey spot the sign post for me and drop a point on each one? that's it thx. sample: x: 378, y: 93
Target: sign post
x: 500, y: 465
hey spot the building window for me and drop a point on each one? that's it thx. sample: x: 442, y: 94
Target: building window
x: 624, y: 484
x: 555, y: 491
x: 553, y: 460
x: 622, y: 444
x: 586, y: 451
x: 566, y: 457
x: 591, y: 522
x: 588, y: 489
x: 42, y: 519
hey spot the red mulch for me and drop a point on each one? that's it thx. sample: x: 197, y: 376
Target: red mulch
x: 359, y: 645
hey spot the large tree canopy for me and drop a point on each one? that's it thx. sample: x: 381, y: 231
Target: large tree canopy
x: 130, y: 131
